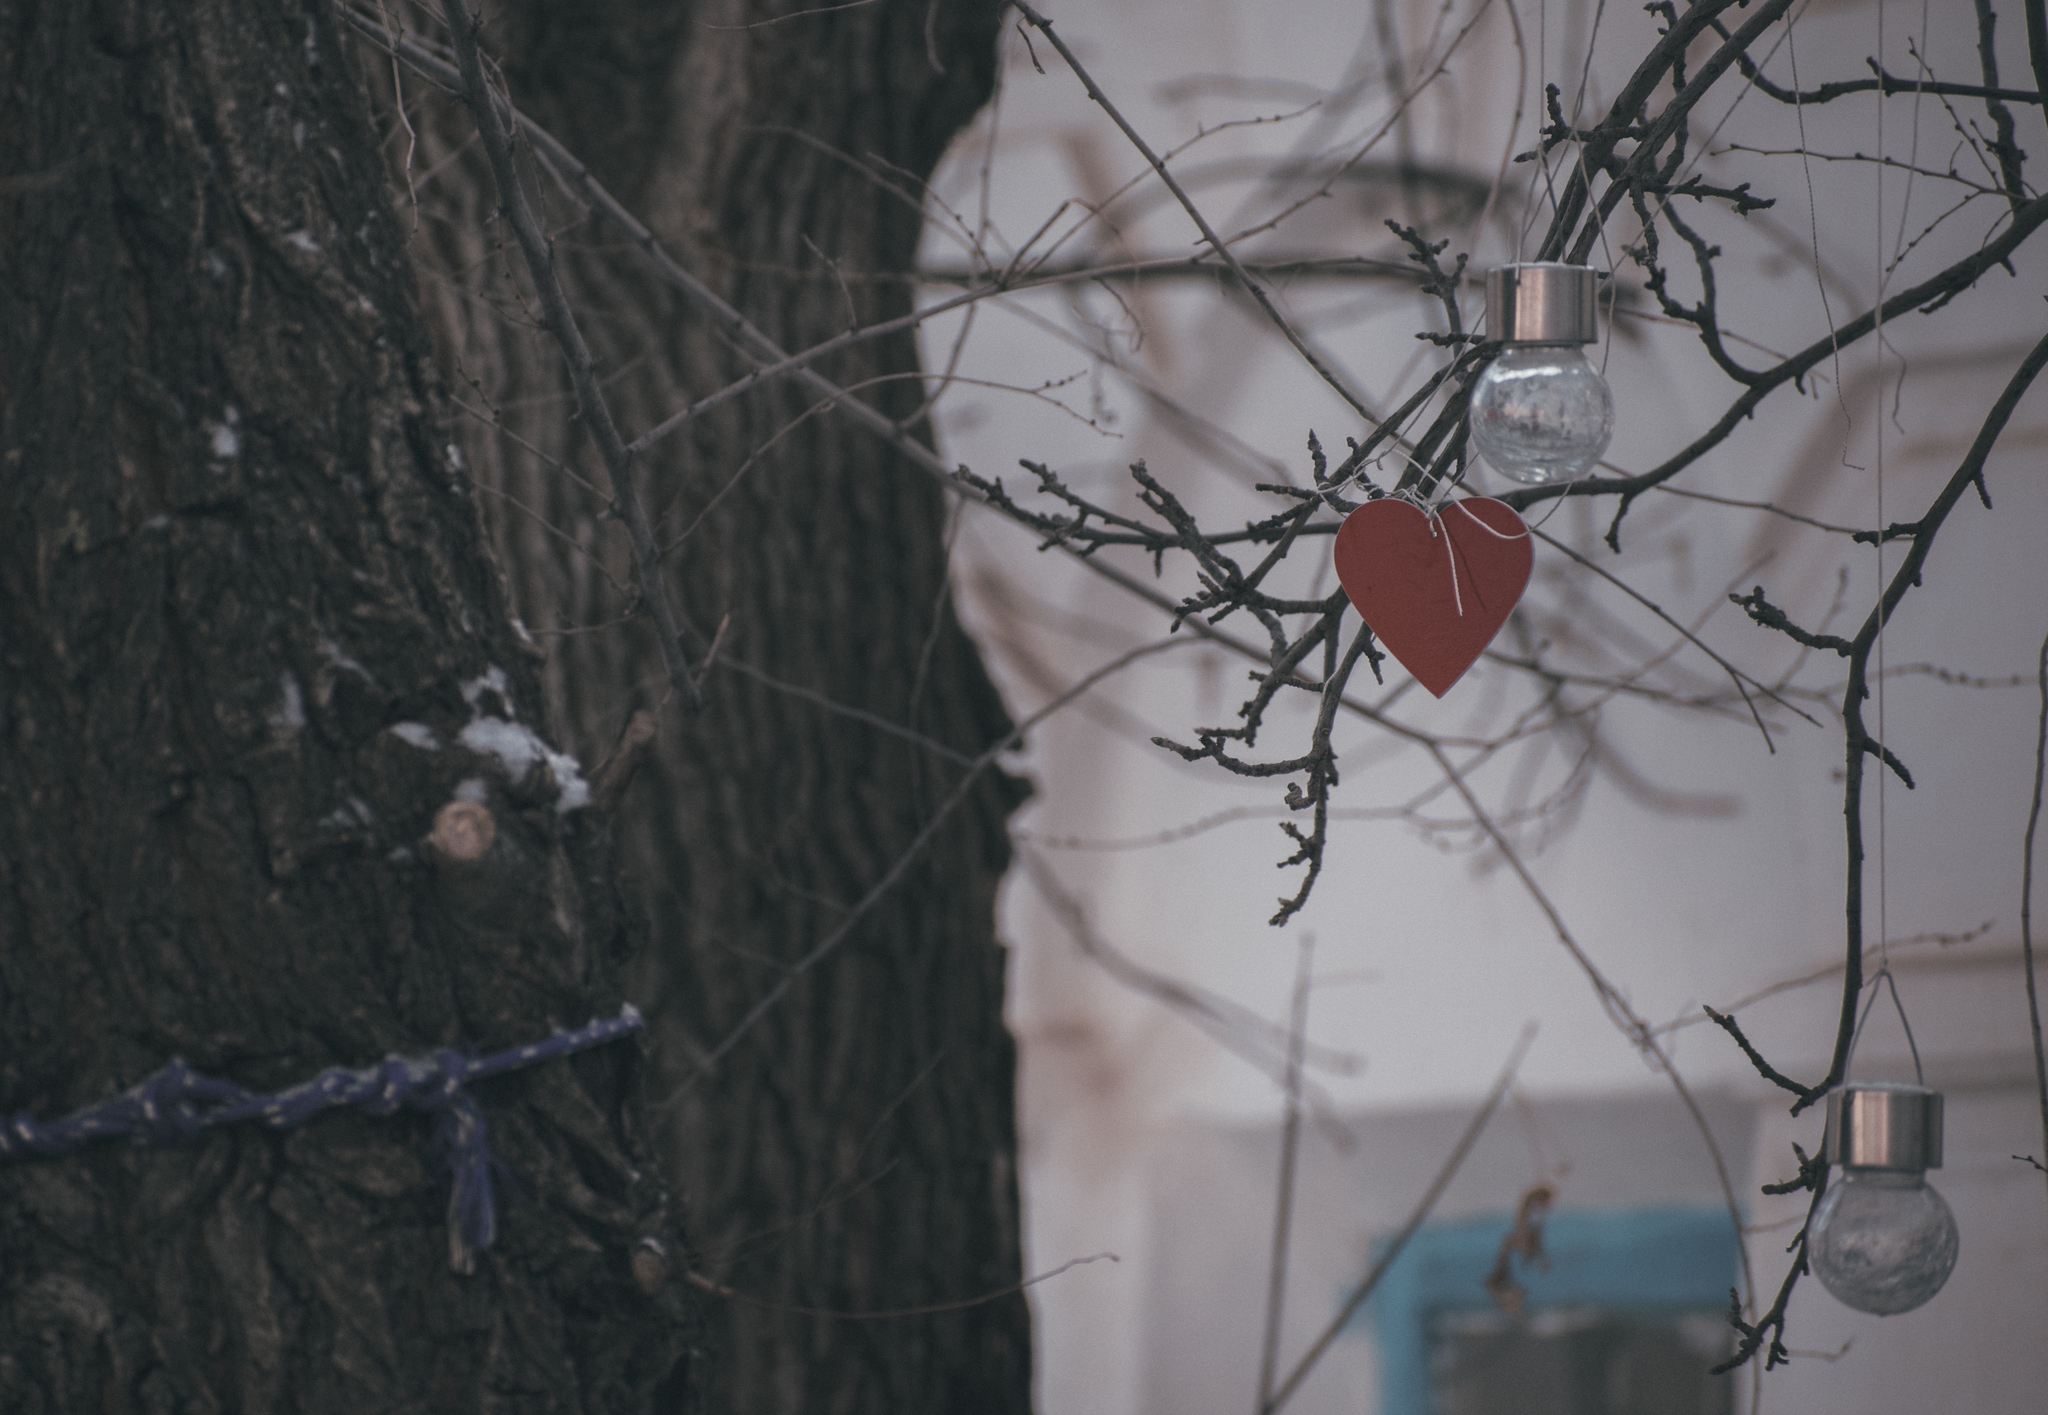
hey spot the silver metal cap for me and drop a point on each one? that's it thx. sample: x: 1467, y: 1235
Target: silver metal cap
x: 1541, y: 303
x: 1884, y: 1126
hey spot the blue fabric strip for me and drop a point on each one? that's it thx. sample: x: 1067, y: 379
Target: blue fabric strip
x: 175, y: 1105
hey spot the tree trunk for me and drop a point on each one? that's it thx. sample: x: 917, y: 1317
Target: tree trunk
x: 237, y: 549
x: 853, y: 1153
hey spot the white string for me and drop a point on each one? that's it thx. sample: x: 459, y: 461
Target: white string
x: 1556, y: 502
x: 1483, y: 525
x: 1530, y: 207
x: 1813, y: 231
x: 1457, y: 597
x: 1450, y: 552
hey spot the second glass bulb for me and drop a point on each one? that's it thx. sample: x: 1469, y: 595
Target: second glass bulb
x: 1882, y: 1241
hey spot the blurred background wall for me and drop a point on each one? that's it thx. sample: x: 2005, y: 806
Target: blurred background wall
x: 1694, y: 861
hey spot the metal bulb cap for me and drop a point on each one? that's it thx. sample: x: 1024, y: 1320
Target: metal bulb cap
x: 1542, y: 302
x: 1883, y: 1125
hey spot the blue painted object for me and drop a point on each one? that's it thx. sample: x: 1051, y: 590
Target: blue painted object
x: 175, y: 1105
x: 1654, y: 1261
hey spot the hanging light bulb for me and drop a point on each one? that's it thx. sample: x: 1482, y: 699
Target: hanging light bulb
x: 1881, y: 1240
x: 1540, y: 412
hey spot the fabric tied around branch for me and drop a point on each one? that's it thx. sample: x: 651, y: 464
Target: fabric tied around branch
x: 176, y: 1105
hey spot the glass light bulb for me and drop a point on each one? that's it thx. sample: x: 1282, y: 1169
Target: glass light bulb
x: 1882, y: 1241
x: 1541, y: 413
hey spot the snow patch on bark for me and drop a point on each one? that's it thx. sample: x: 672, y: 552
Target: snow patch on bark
x: 356, y: 815
x: 416, y: 734
x: 227, y: 443
x: 519, y: 748
x: 291, y: 712
x: 493, y: 681
x: 339, y: 657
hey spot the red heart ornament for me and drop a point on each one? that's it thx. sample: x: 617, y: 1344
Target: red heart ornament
x: 1435, y: 589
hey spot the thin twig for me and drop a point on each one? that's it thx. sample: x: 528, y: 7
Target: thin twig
x: 719, y: 1289
x: 2027, y: 900
x: 1290, y: 1150
x: 1420, y: 1215
x: 1231, y: 1025
x: 1735, y: 675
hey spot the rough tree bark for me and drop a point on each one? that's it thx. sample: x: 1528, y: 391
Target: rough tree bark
x: 854, y: 1151
x: 236, y: 549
